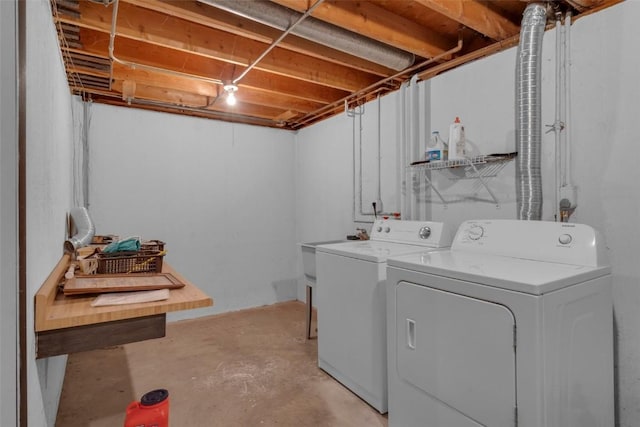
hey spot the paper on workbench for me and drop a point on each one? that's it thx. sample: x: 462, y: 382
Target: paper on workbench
x: 119, y: 298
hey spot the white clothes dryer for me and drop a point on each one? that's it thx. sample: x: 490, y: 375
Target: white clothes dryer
x: 510, y: 327
x: 351, y: 301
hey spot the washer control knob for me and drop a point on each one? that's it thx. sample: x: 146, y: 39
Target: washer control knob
x: 379, y: 229
x: 424, y: 232
x: 565, y: 239
x: 387, y: 229
x: 475, y: 232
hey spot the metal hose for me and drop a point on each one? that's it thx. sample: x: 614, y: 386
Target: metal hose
x: 84, y: 227
x: 528, y: 113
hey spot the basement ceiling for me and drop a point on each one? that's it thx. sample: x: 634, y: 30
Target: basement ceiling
x: 293, y: 62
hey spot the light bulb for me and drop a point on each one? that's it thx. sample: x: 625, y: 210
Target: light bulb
x: 231, y: 99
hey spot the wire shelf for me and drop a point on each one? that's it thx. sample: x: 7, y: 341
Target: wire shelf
x: 477, y: 160
x: 477, y: 168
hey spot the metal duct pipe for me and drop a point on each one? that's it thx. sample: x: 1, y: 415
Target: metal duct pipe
x: 318, y: 31
x: 84, y: 229
x: 528, y: 113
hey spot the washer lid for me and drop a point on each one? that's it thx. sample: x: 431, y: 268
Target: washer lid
x: 521, y: 275
x: 369, y: 250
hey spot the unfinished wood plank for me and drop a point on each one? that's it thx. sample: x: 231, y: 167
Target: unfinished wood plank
x: 476, y: 15
x: 195, y: 11
x: 248, y: 94
x: 377, y: 23
x: 99, y: 283
x: 48, y: 291
x: 121, y: 298
x: 479, y: 53
x: 202, y: 102
x: 97, y: 43
x: 100, y: 335
x: 155, y: 28
x: 54, y: 310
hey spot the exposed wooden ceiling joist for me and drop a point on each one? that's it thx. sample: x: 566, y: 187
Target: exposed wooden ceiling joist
x: 174, y: 56
x: 476, y: 15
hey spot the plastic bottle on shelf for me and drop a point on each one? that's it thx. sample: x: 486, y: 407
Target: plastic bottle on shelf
x: 457, y: 144
x: 437, y: 150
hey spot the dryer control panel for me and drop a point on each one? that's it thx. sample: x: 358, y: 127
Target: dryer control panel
x: 422, y: 233
x: 560, y: 242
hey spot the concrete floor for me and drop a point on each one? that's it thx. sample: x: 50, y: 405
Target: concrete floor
x: 247, y: 368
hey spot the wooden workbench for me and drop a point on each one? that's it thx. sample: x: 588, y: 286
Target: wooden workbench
x: 67, y: 324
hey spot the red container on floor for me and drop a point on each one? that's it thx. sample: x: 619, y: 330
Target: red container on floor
x: 151, y: 411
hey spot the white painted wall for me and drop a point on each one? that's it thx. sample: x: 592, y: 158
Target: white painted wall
x: 324, y: 180
x: 8, y: 215
x: 49, y: 187
x: 604, y: 101
x: 220, y: 195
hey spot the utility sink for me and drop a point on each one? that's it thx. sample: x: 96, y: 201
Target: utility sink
x: 309, y: 265
x: 309, y: 257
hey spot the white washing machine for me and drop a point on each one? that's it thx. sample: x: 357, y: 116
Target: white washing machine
x: 510, y: 327
x: 351, y: 301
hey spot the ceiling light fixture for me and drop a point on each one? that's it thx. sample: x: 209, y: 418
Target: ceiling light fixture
x: 231, y: 89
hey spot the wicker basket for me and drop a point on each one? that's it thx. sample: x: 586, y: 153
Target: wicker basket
x: 152, y: 245
x: 147, y: 260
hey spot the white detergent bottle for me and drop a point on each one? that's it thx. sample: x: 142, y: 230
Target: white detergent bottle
x: 457, y: 144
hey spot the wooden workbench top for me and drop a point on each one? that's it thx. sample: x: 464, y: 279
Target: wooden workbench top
x: 54, y: 310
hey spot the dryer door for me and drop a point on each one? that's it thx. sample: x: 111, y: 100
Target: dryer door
x: 459, y: 351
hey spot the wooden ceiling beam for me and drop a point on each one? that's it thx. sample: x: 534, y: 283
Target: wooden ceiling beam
x: 75, y: 69
x: 167, y: 81
x: 176, y: 97
x: 152, y: 27
x: 105, y: 98
x: 155, y: 94
x: 184, y: 84
x: 96, y: 43
x: 476, y: 15
x: 379, y: 24
x: 466, y: 58
x: 203, y: 14
x: 259, y: 97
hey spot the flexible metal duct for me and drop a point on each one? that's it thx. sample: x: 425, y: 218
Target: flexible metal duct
x: 528, y: 113
x: 318, y: 31
x: 84, y: 229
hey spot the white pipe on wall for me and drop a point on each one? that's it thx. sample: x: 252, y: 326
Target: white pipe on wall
x: 379, y: 129
x: 405, y: 156
x: 557, y: 125
x: 358, y: 206
x: 400, y: 168
x: 414, y: 141
x: 567, y: 180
